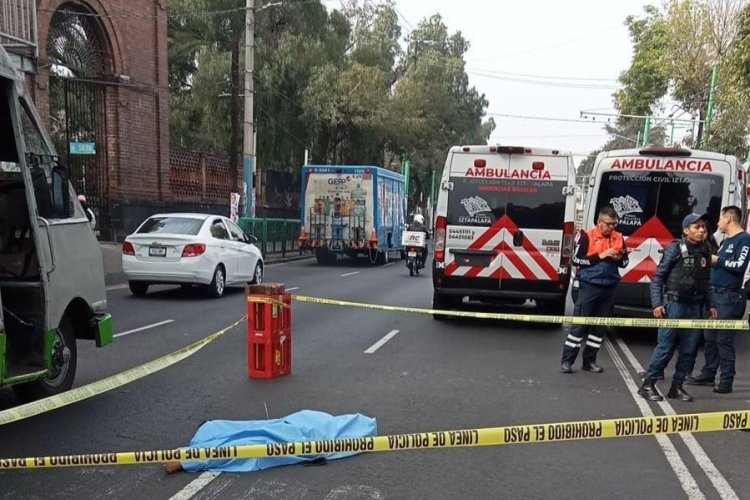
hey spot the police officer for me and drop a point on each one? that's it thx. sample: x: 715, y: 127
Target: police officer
x: 680, y: 290
x: 600, y: 252
x: 727, y: 275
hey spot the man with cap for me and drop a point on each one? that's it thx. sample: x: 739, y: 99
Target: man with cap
x: 680, y: 289
x: 727, y: 276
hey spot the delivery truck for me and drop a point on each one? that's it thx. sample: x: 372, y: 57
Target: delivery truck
x: 352, y: 210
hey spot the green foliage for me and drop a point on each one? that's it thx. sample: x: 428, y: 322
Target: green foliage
x: 336, y: 83
x: 675, y: 48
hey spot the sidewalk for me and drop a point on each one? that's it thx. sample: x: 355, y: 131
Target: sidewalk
x: 113, y: 275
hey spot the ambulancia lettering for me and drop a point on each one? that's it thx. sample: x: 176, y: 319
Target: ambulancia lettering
x: 658, y: 164
x: 504, y: 173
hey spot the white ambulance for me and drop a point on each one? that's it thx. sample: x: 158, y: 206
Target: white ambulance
x: 652, y: 190
x: 504, y: 227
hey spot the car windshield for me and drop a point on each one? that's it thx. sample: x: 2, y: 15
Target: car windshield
x: 171, y: 225
x: 531, y: 204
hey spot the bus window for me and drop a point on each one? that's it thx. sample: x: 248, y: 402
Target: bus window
x: 639, y: 197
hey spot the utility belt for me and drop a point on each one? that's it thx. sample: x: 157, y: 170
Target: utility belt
x: 675, y: 297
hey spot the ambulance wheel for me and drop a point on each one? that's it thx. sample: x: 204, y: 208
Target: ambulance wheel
x: 63, y: 370
x: 555, y: 307
x: 444, y: 303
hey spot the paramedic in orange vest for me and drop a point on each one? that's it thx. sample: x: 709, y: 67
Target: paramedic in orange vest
x: 600, y: 253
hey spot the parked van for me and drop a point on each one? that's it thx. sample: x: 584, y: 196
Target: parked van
x: 652, y: 190
x: 504, y: 226
x: 51, y: 273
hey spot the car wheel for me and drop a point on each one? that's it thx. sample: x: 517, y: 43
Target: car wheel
x: 138, y: 288
x: 63, y: 370
x: 218, y: 283
x: 258, y: 274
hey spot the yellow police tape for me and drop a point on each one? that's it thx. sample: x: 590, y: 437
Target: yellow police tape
x: 701, y: 324
x: 493, y: 436
x: 263, y: 299
x: 101, y: 386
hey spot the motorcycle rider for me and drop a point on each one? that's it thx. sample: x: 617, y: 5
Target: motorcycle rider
x: 417, y: 225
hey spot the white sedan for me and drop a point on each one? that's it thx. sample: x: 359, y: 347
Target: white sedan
x: 186, y: 249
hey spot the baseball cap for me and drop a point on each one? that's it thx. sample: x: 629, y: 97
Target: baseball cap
x: 692, y: 219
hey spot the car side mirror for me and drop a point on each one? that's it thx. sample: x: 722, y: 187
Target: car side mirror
x: 251, y: 239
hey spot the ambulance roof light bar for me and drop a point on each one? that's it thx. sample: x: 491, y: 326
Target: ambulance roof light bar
x: 664, y: 151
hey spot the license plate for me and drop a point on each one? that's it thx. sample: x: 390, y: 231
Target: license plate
x: 412, y: 254
x: 157, y: 251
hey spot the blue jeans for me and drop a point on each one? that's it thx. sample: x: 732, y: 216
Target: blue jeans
x: 720, y: 343
x: 669, y: 339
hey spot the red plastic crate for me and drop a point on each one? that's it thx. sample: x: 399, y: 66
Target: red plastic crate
x: 269, y: 320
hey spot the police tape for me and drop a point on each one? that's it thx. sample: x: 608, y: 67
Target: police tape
x: 700, y: 324
x: 465, y: 438
x: 107, y: 384
x: 264, y: 299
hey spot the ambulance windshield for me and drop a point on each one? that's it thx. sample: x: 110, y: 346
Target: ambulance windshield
x: 667, y: 197
x: 529, y: 203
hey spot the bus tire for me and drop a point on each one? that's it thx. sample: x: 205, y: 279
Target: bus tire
x: 64, y: 361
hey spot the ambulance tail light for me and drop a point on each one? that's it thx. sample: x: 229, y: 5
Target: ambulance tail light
x: 440, y: 225
x: 537, y: 165
x: 567, y: 244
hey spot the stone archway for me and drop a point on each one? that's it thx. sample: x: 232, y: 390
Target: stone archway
x: 77, y: 52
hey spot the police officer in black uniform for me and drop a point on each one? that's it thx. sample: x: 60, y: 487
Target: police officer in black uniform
x: 680, y: 290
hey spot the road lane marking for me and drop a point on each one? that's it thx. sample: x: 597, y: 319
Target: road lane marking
x: 377, y: 345
x: 722, y: 486
x: 193, y: 487
x: 389, y: 264
x: 684, y: 476
x: 292, y: 289
x: 349, y: 274
x: 147, y: 327
x: 116, y: 287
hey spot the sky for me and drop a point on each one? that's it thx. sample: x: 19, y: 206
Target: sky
x: 514, y: 43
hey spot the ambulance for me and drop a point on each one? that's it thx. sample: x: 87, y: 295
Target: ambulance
x: 504, y: 227
x: 652, y: 190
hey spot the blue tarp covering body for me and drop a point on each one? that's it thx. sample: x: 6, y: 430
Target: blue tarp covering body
x: 305, y: 425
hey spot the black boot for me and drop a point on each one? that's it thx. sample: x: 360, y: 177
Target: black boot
x: 649, y: 392
x: 679, y: 392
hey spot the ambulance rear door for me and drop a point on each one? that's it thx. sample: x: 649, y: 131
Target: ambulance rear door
x: 509, y: 211
x: 652, y: 194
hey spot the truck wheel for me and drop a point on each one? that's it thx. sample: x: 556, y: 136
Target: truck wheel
x: 64, y: 361
x: 138, y: 288
x: 321, y: 255
x: 218, y: 283
x: 443, y: 302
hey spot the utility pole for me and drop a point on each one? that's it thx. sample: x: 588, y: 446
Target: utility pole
x: 646, y: 130
x: 248, y: 158
x: 711, y: 93
x: 235, y: 118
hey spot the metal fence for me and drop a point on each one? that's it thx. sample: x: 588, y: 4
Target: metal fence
x: 274, y: 235
x: 18, y: 27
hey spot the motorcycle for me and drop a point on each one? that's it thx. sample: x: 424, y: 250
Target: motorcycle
x: 414, y: 242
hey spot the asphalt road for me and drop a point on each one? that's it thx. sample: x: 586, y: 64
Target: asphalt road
x: 429, y: 376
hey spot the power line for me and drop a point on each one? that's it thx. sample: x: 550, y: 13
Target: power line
x: 571, y: 85
x: 543, y: 118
